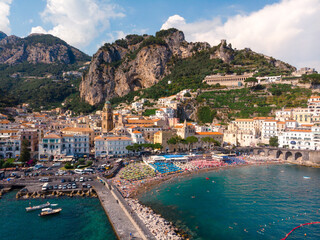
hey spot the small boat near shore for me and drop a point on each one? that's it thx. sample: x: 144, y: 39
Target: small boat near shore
x: 49, y: 211
x: 32, y: 208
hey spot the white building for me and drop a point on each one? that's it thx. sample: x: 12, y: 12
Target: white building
x: 284, y: 114
x: 138, y: 106
x: 54, y: 146
x: 314, y: 104
x: 50, y: 147
x: 269, y: 129
x: 111, y: 146
x: 269, y: 79
x: 137, y: 137
x: 296, y: 139
x: 291, y: 124
x: 10, y: 146
x: 75, y: 145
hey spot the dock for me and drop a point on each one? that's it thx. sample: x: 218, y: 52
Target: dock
x: 123, y: 220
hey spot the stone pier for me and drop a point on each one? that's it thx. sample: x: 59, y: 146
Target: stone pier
x: 121, y: 218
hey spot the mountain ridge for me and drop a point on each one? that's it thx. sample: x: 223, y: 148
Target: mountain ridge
x: 140, y: 62
x: 38, y: 48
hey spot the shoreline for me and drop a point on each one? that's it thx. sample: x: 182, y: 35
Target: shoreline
x: 154, y: 220
x: 152, y: 183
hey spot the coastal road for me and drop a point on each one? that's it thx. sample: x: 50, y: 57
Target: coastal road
x: 117, y: 216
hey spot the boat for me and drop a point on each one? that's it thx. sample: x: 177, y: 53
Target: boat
x: 32, y: 208
x: 305, y: 177
x: 49, y: 211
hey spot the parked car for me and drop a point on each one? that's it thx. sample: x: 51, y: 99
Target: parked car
x: 44, y: 179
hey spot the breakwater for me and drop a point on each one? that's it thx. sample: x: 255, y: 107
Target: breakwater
x: 160, y: 228
x: 124, y: 221
x: 56, y: 193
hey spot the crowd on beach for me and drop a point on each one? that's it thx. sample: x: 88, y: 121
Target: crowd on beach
x: 158, y: 226
x: 137, y: 177
x: 140, y: 175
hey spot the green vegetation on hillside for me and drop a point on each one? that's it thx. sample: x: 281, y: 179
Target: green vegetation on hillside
x: 77, y: 105
x: 165, y: 33
x: 205, y: 114
x: 246, y: 102
x: 189, y: 73
x: 33, y: 85
x: 149, y: 112
x: 313, y: 79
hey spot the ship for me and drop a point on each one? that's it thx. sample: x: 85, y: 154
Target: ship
x: 32, y: 208
x: 49, y: 211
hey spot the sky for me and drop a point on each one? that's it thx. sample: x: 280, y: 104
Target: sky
x: 285, y: 29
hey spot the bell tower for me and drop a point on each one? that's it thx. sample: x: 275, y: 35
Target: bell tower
x: 107, y: 117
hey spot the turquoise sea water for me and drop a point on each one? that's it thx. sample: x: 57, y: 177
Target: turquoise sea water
x: 80, y: 219
x: 252, y: 202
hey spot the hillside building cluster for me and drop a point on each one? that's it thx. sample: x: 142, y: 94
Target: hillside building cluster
x: 295, y: 128
x: 53, y: 135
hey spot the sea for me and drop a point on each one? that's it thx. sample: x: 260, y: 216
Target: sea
x: 249, y: 202
x: 80, y: 219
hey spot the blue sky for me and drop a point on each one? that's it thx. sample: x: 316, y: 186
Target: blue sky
x: 277, y: 28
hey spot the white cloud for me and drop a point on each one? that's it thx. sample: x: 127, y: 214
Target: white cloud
x: 4, y: 16
x: 288, y: 30
x: 78, y: 22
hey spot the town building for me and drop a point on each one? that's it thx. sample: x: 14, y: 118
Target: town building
x: 10, y: 146
x: 111, y: 146
x: 59, y: 146
x: 227, y: 80
x: 107, y: 117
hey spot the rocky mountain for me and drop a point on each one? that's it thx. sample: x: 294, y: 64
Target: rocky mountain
x: 2, y: 35
x: 133, y: 63
x: 38, y: 48
x: 139, y: 62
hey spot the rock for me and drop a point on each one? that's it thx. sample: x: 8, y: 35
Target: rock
x: 115, y: 71
x: 38, y: 48
x: 224, y: 52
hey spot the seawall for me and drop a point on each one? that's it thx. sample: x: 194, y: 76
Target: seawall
x: 126, y: 224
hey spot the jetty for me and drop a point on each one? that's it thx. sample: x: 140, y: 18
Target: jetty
x: 125, y: 222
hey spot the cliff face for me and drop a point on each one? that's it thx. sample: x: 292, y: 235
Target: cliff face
x: 38, y: 48
x: 122, y: 67
x: 138, y: 62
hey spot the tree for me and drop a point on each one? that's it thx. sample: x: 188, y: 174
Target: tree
x: 313, y: 79
x: 130, y: 148
x: 273, y: 141
x: 191, y: 140
x: 206, y: 140
x: 157, y: 146
x: 172, y: 141
x: 205, y: 114
x: 25, y: 151
x: 251, y: 80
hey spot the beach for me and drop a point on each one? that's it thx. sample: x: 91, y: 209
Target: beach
x: 132, y: 189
